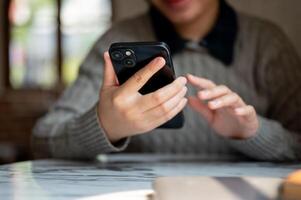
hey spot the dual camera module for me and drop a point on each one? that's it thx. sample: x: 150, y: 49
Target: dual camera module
x: 126, y: 57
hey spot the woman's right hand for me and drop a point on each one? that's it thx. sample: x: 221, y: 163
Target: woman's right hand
x: 124, y: 112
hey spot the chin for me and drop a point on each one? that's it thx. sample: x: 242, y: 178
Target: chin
x: 181, y: 11
x: 180, y: 18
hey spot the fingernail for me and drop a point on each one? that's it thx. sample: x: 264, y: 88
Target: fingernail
x: 159, y: 60
x: 204, y: 94
x: 215, y: 103
x: 183, y: 80
x: 105, y: 54
x: 237, y: 110
x: 191, y: 76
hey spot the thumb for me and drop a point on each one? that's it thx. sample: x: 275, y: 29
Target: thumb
x: 109, y: 76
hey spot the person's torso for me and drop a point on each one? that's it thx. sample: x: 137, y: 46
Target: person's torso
x: 196, y: 136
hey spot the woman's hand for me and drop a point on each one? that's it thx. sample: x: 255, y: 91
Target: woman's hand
x: 124, y: 112
x: 224, y: 110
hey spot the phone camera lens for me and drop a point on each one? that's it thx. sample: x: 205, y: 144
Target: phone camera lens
x: 128, y: 53
x: 129, y: 63
x: 117, y: 55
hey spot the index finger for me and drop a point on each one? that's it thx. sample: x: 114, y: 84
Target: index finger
x: 200, y: 83
x: 139, y: 79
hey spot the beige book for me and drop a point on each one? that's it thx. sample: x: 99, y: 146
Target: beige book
x: 221, y: 188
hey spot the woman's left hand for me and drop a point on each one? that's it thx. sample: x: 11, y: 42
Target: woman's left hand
x: 224, y: 110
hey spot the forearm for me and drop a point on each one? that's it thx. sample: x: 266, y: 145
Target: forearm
x: 80, y: 137
x: 272, y: 142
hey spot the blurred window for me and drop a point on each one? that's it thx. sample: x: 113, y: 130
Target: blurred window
x: 34, y: 44
x: 82, y: 23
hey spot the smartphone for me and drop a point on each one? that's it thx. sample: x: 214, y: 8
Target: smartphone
x: 129, y: 57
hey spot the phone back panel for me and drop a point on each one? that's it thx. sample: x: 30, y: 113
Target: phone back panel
x: 142, y: 54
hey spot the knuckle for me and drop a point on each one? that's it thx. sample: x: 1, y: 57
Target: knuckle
x: 178, y: 84
x: 210, y: 82
x: 125, y: 113
x: 164, y: 108
x: 151, y: 68
x: 144, y: 128
x: 132, y: 118
x: 136, y: 126
x: 168, y: 116
x: 235, y: 96
x: 184, y: 91
x: 117, y: 100
x: 130, y: 115
x: 224, y: 88
x: 251, y: 108
x: 157, y: 97
x: 140, y: 126
x: 137, y: 77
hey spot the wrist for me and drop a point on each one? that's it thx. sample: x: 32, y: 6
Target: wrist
x: 244, y: 135
x: 112, y: 137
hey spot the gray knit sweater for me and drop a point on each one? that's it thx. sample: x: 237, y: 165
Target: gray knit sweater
x: 266, y: 73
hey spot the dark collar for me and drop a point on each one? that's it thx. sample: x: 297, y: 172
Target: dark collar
x: 219, y: 42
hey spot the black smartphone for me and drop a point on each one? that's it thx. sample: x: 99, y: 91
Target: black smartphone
x: 130, y: 57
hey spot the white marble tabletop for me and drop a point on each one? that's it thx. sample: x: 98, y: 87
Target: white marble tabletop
x: 59, y: 179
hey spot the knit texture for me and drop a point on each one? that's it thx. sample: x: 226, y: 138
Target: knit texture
x: 266, y: 73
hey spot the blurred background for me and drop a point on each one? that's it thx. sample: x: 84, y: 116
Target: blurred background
x: 43, y: 42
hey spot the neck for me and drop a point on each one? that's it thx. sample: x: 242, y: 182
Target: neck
x: 198, y: 28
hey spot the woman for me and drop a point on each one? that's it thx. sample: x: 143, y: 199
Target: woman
x: 243, y: 78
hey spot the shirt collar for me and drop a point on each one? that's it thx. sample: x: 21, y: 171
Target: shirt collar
x: 219, y: 42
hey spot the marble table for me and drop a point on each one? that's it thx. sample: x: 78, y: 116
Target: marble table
x: 114, y: 174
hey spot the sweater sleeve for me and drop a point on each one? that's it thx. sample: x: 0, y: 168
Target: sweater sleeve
x: 71, y: 128
x: 278, y: 77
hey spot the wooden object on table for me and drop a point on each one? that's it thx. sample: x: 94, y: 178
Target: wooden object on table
x: 291, y: 188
